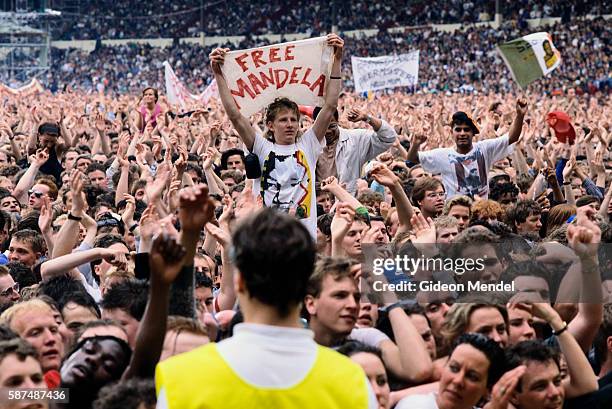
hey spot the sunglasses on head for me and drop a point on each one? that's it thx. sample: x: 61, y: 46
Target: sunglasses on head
x: 9, y: 290
x: 37, y: 193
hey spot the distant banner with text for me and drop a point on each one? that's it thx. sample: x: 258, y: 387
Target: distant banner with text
x: 298, y: 70
x: 373, y: 73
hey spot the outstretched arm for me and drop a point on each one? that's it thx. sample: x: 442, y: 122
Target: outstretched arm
x: 333, y: 89
x: 240, y: 122
x: 517, y: 124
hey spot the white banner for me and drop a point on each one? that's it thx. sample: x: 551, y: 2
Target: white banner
x: 32, y: 87
x: 298, y: 70
x: 179, y: 95
x: 373, y: 73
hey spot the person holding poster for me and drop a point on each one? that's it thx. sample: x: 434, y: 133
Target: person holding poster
x: 287, y: 159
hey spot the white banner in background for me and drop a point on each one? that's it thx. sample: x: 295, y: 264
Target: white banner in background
x: 373, y: 73
x: 179, y: 95
x: 298, y: 70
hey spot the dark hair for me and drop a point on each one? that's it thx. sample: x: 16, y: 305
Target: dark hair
x: 231, y: 152
x: 129, y: 295
x: 500, y: 189
x: 6, y: 333
x: 352, y: 347
x: 19, y: 347
x: 97, y: 324
x: 275, y: 107
x: 275, y: 255
x: 31, y: 237
x: 530, y: 268
x: 461, y: 118
x: 490, y: 348
x: 81, y: 298
x: 600, y: 345
x: 586, y: 200
x: 22, y: 274
x: 107, y: 240
x: 29, y: 222
x: 324, y: 223
x: 57, y: 287
x: 522, y: 210
x: 130, y: 394
x: 96, y: 166
x: 526, y: 351
x: 155, y: 92
x: 202, y: 280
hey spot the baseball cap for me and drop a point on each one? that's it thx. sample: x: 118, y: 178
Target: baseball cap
x: 461, y: 117
x: 562, y: 125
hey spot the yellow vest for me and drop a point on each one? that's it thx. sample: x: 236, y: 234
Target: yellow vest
x: 201, y: 379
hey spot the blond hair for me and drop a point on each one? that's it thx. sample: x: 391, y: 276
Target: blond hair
x: 10, y: 314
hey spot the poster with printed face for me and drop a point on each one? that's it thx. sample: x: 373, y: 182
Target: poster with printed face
x: 373, y: 73
x: 298, y: 70
x: 530, y: 57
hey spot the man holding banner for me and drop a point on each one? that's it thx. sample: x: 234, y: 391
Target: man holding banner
x: 248, y: 78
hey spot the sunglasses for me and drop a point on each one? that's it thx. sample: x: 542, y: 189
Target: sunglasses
x: 37, y: 193
x: 9, y: 290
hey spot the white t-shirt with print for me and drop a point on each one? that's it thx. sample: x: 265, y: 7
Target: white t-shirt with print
x: 288, y: 176
x: 466, y: 174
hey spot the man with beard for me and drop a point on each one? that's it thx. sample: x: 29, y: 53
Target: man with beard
x: 465, y: 167
x: 347, y: 150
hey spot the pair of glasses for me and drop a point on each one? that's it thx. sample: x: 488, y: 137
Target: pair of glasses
x: 9, y: 290
x: 434, y: 195
x: 37, y: 193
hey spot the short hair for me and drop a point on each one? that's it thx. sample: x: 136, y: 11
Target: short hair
x: 94, y: 166
x: 232, y: 174
x: 275, y: 255
x: 178, y: 323
x: 317, y: 110
x: 324, y: 223
x: 530, y: 268
x: 530, y: 351
x: 487, y: 209
x: 460, y: 200
x: 445, y: 222
x: 522, y: 210
x: 80, y: 298
x: 130, y: 296
x: 369, y: 198
x: 155, y: 92
x: 96, y: 324
x: 278, y: 105
x: 586, y: 200
x: 500, y: 189
x: 107, y: 240
x: 21, y: 274
x: 31, y: 237
x: 424, y: 184
x: 353, y: 347
x: 132, y: 393
x: 524, y: 182
x: 17, y: 347
x: 53, y: 190
x: 458, y: 317
x: 336, y: 267
x: 490, y: 348
x: 9, y: 315
x: 6, y: 333
x: 57, y: 287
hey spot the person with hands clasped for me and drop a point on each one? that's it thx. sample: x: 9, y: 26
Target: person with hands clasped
x: 287, y: 159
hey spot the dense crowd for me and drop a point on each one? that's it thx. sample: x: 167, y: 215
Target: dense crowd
x: 447, y: 61
x: 176, y: 19
x: 158, y: 258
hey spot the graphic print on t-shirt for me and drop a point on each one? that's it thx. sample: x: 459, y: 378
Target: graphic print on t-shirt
x: 285, y: 183
x: 471, y: 173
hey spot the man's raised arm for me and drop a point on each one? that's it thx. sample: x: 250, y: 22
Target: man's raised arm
x: 415, y: 145
x: 242, y: 124
x: 333, y: 89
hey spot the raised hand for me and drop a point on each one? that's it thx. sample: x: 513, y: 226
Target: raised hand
x: 335, y: 41
x: 384, y: 175
x: 424, y: 229
x: 196, y: 208
x: 356, y: 115
x: 41, y: 157
x: 521, y: 106
x: 342, y: 221
x: 165, y: 259
x: 46, y: 216
x: 505, y: 387
x: 584, y: 237
x: 79, y: 204
x: 217, y: 59
x: 222, y: 236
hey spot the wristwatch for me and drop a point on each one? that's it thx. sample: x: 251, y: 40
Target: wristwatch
x: 73, y: 217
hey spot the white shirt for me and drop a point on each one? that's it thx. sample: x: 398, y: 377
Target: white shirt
x: 267, y: 356
x: 418, y: 402
x: 466, y: 174
x: 288, y: 176
x: 358, y: 146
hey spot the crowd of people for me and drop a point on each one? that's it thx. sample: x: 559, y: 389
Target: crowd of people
x: 176, y: 19
x: 157, y: 257
x: 448, y: 62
